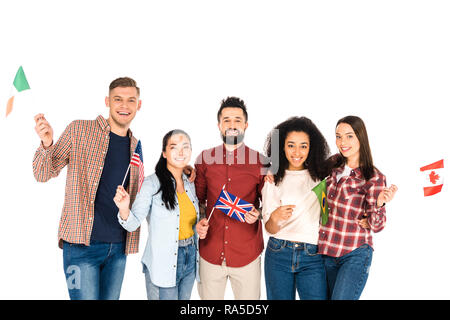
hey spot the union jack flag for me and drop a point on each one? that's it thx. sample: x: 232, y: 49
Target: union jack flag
x: 232, y: 206
x: 138, y: 160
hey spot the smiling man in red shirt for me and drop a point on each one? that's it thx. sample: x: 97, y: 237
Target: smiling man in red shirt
x: 230, y: 249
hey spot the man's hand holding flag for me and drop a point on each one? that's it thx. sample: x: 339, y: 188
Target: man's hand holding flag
x: 232, y: 206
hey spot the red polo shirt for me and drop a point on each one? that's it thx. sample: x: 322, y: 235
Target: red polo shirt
x: 242, y: 172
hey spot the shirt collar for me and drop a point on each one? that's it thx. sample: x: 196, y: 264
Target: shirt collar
x: 104, y: 125
x: 357, y: 172
x: 185, y: 178
x: 239, y: 149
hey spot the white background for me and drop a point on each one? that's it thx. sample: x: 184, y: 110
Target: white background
x: 385, y: 61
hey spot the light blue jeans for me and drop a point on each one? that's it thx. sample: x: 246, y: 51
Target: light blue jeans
x: 290, y: 267
x: 94, y: 272
x: 186, y: 262
x: 347, y: 275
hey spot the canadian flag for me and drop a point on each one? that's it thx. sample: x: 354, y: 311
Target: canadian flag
x: 434, y: 179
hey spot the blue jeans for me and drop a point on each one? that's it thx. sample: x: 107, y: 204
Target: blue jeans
x: 347, y: 275
x: 291, y: 266
x: 186, y: 263
x: 94, y: 272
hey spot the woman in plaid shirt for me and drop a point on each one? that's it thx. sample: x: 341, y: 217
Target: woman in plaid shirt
x: 356, y: 195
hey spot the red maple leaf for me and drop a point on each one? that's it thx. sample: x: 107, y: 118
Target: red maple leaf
x: 434, y: 177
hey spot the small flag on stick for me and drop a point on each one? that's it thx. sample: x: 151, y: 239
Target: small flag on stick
x: 321, y: 192
x: 20, y: 84
x: 137, y: 160
x: 232, y: 206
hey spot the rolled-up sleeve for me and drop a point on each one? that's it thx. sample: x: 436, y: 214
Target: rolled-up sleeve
x: 47, y: 163
x: 376, y: 216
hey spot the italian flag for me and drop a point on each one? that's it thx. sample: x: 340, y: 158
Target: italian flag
x: 20, y: 84
x: 434, y: 178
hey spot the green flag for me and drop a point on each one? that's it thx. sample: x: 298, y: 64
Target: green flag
x: 321, y: 192
x: 20, y: 81
x: 20, y: 84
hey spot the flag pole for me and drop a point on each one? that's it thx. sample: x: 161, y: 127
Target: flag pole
x: 223, y: 188
x: 210, y: 215
x: 126, y: 174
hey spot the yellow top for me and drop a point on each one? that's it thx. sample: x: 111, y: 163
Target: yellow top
x: 188, y: 216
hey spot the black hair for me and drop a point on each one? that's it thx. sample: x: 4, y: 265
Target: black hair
x: 165, y: 177
x: 232, y: 102
x: 318, y: 148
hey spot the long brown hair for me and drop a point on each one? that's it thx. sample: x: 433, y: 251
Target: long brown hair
x: 365, y: 155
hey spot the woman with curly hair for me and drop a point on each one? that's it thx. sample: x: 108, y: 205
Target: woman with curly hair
x: 291, y: 211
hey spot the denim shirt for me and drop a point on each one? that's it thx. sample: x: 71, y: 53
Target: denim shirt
x: 160, y: 255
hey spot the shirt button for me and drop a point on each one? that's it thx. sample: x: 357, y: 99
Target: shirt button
x: 226, y: 242
x: 226, y: 227
x: 229, y: 179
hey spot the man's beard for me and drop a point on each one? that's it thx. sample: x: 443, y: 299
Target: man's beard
x: 231, y: 139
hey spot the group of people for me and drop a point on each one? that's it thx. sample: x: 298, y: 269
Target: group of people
x: 188, y: 238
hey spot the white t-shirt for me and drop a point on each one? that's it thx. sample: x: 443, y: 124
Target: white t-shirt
x: 294, y: 189
x: 345, y: 173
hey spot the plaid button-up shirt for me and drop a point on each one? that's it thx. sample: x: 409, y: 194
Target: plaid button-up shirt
x: 350, y: 199
x: 82, y: 147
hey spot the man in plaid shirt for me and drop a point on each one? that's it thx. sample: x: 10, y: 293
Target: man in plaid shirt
x: 97, y: 154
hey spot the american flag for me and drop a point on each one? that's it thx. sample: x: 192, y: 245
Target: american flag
x: 138, y: 160
x: 232, y: 206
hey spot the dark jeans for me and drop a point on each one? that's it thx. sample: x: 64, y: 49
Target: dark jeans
x: 347, y: 275
x: 291, y: 266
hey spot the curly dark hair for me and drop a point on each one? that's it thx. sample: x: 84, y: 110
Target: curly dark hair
x: 318, y: 150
